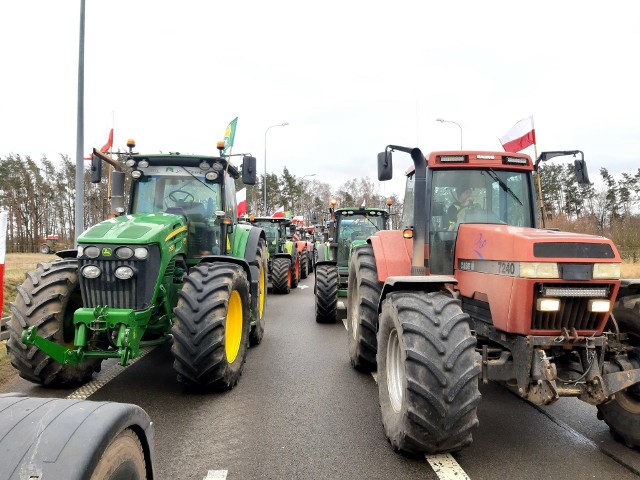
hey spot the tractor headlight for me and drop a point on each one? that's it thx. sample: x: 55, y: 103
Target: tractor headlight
x: 91, y: 271
x: 143, y: 164
x: 548, y: 305
x: 598, y: 305
x: 606, y: 271
x: 141, y: 253
x: 124, y: 273
x: 211, y: 176
x: 130, y: 163
x: 92, y: 252
x: 124, y: 253
x: 539, y: 270
x: 80, y: 251
x: 136, y: 174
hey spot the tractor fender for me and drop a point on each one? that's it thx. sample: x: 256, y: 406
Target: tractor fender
x: 284, y: 255
x: 422, y: 283
x: 628, y: 287
x: 69, y: 253
x: 326, y: 262
x: 392, y: 253
x: 237, y: 261
x: 57, y: 438
x: 252, y: 245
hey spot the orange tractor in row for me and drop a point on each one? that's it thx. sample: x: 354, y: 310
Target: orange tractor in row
x: 473, y: 290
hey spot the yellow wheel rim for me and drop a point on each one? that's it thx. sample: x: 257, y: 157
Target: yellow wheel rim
x: 233, y: 327
x: 262, y: 286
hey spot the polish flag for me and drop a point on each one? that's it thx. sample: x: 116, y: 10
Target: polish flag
x: 3, y: 244
x: 109, y: 144
x: 279, y: 213
x: 241, y: 200
x: 520, y: 136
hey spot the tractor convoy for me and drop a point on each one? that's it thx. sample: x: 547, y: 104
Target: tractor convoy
x: 472, y: 290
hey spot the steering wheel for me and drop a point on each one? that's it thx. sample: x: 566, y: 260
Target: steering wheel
x: 176, y: 195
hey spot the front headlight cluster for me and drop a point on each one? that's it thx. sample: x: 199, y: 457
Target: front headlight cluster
x: 123, y: 272
x: 601, y: 271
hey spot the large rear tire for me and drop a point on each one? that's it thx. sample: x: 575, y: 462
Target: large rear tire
x: 295, y: 272
x: 427, y: 376
x: 622, y: 414
x: 304, y: 265
x: 362, y: 309
x: 122, y: 459
x: 326, y: 290
x: 211, y: 329
x: 257, y: 331
x: 47, y: 300
x: 281, y: 275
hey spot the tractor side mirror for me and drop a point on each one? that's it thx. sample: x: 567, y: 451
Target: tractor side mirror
x: 385, y: 166
x: 582, y: 175
x: 249, y: 170
x: 96, y: 169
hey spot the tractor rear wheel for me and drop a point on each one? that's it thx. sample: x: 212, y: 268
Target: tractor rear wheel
x: 304, y: 265
x: 211, y: 329
x: 123, y: 458
x: 257, y: 331
x: 326, y: 290
x: 362, y: 309
x: 622, y: 414
x: 295, y: 274
x: 47, y: 300
x: 427, y: 376
x: 281, y: 275
x: 310, y: 261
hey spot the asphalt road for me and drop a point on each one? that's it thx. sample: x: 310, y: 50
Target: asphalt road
x: 301, y: 412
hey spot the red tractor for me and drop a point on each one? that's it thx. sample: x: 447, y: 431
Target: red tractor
x: 472, y: 290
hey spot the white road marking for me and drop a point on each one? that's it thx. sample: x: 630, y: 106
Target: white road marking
x: 302, y: 287
x: 93, y: 386
x: 216, y: 475
x: 341, y: 304
x: 446, y: 467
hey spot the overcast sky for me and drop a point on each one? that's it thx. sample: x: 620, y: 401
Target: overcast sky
x: 350, y: 77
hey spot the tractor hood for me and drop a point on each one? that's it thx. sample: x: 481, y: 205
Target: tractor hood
x: 137, y: 229
x: 503, y: 242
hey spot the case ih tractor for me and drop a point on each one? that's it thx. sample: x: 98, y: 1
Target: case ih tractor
x: 350, y: 227
x: 305, y: 248
x: 284, y: 256
x: 477, y: 293
x: 175, y: 265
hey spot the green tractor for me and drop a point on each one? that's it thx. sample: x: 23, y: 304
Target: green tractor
x: 348, y: 228
x: 175, y: 265
x: 284, y: 257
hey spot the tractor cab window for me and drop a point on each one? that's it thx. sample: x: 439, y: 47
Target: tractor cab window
x: 271, y: 232
x: 177, y: 190
x: 474, y: 196
x: 355, y: 226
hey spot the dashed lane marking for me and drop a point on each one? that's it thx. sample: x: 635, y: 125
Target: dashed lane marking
x: 302, y: 287
x: 93, y: 386
x: 216, y: 475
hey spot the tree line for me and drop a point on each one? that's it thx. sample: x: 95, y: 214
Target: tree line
x: 39, y: 197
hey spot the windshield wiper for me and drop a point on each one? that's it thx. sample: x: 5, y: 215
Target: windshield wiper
x: 503, y: 185
x: 198, y: 179
x: 369, y: 220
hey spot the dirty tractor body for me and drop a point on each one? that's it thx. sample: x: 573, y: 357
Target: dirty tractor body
x: 175, y: 265
x: 285, y: 257
x: 473, y: 293
x: 349, y: 228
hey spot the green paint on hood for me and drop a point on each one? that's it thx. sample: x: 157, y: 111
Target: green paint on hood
x: 134, y: 229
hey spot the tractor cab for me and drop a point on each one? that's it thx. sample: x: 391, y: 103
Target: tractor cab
x: 276, y: 231
x: 356, y: 224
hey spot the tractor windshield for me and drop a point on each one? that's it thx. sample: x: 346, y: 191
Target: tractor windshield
x: 182, y: 191
x: 474, y: 196
x: 271, y: 232
x: 356, y: 226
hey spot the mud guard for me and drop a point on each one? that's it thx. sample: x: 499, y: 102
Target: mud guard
x: 423, y: 283
x: 628, y: 287
x: 56, y: 438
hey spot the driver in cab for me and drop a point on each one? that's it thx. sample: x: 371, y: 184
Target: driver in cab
x: 462, y: 204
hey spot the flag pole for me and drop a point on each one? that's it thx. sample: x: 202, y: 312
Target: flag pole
x: 113, y: 121
x: 543, y: 211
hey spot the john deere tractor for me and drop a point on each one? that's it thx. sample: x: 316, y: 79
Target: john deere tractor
x: 475, y: 289
x: 284, y: 256
x: 350, y: 227
x: 175, y: 264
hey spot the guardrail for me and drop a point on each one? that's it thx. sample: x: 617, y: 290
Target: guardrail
x: 4, y: 332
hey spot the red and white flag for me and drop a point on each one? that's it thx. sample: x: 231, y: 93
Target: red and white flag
x: 520, y: 136
x: 241, y: 200
x: 3, y: 245
x: 279, y: 213
x: 107, y: 146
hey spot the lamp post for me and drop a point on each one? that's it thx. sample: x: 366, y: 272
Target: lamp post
x: 442, y: 120
x: 284, y: 124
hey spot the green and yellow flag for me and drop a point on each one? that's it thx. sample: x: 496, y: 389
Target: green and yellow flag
x: 230, y: 134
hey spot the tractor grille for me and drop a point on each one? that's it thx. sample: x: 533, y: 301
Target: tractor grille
x: 574, y: 312
x: 107, y: 290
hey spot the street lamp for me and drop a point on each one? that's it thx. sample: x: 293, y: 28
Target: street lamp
x: 284, y: 124
x: 442, y: 120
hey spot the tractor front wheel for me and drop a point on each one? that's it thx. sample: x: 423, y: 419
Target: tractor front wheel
x: 362, y: 309
x: 326, y: 290
x: 304, y: 265
x: 257, y: 331
x: 427, y: 376
x: 211, y: 329
x: 622, y: 414
x: 47, y: 301
x: 281, y: 275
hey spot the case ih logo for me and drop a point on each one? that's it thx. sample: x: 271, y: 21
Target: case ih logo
x: 106, y: 252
